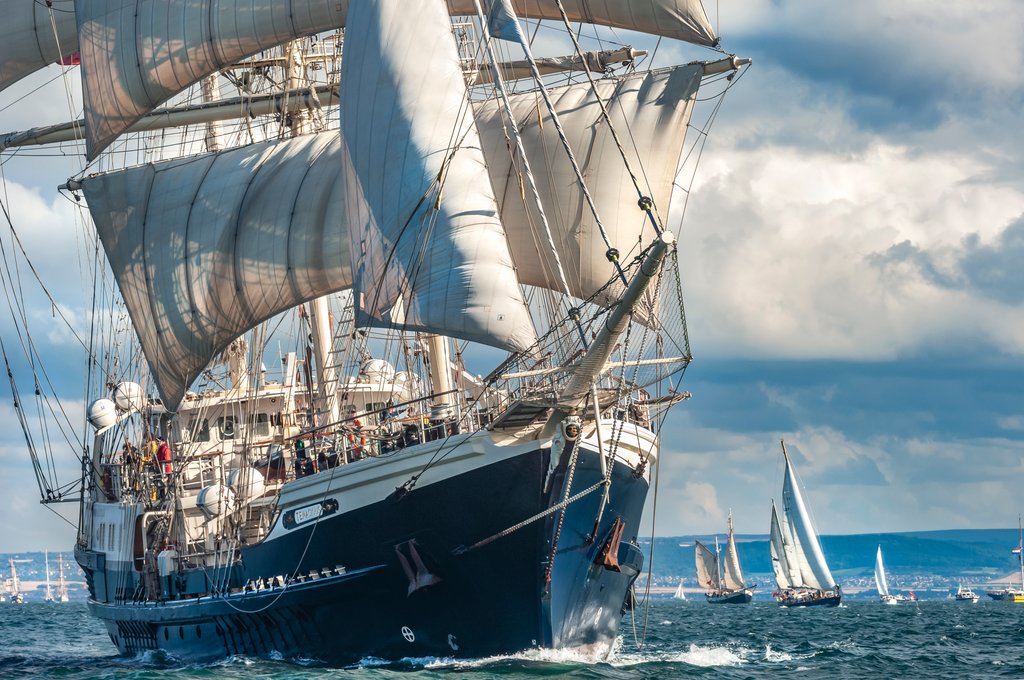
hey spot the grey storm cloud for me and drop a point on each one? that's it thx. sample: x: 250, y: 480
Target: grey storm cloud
x: 990, y: 269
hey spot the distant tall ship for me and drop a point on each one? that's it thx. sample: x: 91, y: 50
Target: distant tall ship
x: 722, y: 576
x: 801, y: 574
x: 1013, y: 594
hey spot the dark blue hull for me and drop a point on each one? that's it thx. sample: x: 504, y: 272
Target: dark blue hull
x: 431, y: 572
x: 737, y: 597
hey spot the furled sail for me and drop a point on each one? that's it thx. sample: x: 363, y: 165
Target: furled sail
x: 707, y: 567
x: 137, y: 54
x: 732, y: 575
x: 33, y: 35
x: 204, y: 248
x: 780, y: 562
x: 810, y: 559
x: 659, y: 103
x: 430, y: 251
x: 880, y: 580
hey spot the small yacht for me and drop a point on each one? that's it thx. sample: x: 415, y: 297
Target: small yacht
x: 965, y: 594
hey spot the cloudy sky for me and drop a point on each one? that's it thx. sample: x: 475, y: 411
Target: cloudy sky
x: 854, y: 281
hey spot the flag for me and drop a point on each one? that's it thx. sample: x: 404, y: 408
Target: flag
x: 502, y: 22
x: 71, y: 60
x: 1016, y: 551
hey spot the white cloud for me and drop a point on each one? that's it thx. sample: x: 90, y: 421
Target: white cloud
x: 779, y: 246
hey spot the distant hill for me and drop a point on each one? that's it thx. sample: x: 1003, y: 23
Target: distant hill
x: 970, y: 554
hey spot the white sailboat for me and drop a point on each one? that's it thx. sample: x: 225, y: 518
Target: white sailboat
x: 48, y: 595
x: 882, y: 583
x: 479, y: 303
x: 680, y: 593
x: 721, y: 575
x: 801, y: 573
x: 62, y: 586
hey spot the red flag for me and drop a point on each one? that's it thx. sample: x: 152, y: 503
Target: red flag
x: 71, y: 60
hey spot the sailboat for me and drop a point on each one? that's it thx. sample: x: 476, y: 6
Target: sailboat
x: 680, y: 593
x: 721, y: 575
x: 48, y: 594
x: 882, y: 583
x: 369, y: 490
x: 15, y: 596
x: 801, y: 573
x: 62, y: 586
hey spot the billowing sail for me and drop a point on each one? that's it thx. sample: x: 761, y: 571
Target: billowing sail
x: 810, y: 559
x: 707, y: 567
x: 880, y: 580
x: 204, y: 248
x: 732, y: 575
x: 430, y: 250
x: 33, y: 35
x: 659, y: 103
x: 111, y: 199
x: 780, y: 562
x: 137, y: 54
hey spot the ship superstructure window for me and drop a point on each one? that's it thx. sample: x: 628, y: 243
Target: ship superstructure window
x: 261, y: 425
x: 199, y: 430
x: 228, y: 427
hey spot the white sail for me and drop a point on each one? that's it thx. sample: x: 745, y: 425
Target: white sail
x: 204, y: 248
x: 680, y: 593
x: 34, y: 36
x: 658, y: 102
x: 732, y: 575
x: 780, y: 562
x: 137, y: 54
x: 707, y: 566
x: 809, y: 558
x: 880, y: 579
x: 431, y: 251
x: 178, y: 357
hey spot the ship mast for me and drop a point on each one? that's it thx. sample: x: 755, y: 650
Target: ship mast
x: 297, y: 117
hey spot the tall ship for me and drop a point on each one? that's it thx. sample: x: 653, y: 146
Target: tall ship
x: 1011, y: 594
x: 388, y: 316
x: 721, y: 575
x: 801, y: 573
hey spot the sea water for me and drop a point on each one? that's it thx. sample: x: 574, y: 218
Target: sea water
x: 661, y: 639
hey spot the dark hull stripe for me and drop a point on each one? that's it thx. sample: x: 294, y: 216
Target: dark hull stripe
x: 490, y: 600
